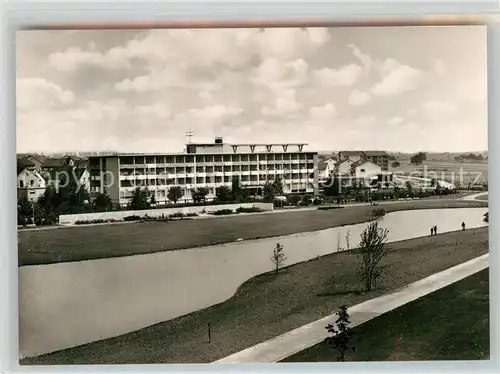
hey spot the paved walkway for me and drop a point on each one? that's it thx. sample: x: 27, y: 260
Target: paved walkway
x: 277, y: 349
x: 474, y: 196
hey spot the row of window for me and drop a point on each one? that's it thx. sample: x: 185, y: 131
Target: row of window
x: 209, y: 179
x: 140, y: 160
x: 212, y: 191
x: 211, y: 169
x: 30, y: 184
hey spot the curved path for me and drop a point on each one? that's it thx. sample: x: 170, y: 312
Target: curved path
x: 283, y: 346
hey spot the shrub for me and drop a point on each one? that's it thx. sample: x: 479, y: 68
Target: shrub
x: 177, y: 215
x: 223, y: 212
x: 379, y: 212
x: 329, y: 207
x: 131, y: 218
x: 278, y: 257
x: 93, y: 221
x: 372, y: 250
x: 192, y: 215
x: 340, y: 334
x: 248, y: 210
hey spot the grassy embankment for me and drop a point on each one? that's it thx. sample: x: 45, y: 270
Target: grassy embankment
x: 269, y: 305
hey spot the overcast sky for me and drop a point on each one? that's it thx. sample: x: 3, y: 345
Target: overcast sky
x: 393, y: 88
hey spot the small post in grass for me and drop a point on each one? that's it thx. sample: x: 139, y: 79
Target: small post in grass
x: 397, y: 345
x: 209, y: 333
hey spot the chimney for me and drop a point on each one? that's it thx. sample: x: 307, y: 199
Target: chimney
x: 218, y: 140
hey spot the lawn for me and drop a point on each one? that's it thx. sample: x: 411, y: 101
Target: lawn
x: 449, y: 324
x: 269, y: 305
x: 104, y: 241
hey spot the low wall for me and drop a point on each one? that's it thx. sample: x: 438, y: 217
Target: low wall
x: 68, y: 219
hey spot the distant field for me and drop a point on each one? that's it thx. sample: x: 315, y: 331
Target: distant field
x: 451, y: 171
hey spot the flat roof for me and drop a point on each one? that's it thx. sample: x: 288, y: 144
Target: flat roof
x: 198, y: 154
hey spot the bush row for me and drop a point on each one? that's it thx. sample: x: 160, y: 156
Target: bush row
x: 87, y: 222
x: 225, y: 212
x: 329, y: 207
x: 171, y: 216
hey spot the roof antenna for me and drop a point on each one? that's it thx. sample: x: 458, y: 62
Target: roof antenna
x: 189, y: 135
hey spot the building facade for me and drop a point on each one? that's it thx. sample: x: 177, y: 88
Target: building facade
x: 366, y: 170
x: 380, y: 158
x: 343, y: 167
x: 30, y: 184
x: 207, y: 165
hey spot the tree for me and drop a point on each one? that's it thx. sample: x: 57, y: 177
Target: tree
x: 245, y: 194
x: 293, y: 199
x: 372, y: 249
x: 223, y: 194
x: 418, y: 158
x: 25, y: 211
x: 139, y: 199
x: 438, y: 190
x: 152, y: 201
x: 306, y: 200
x: 333, y: 187
x: 269, y: 192
x: 72, y: 195
x: 395, y: 164
x: 200, y: 195
x: 397, y: 192
x: 49, y: 201
x: 278, y: 258
x: 278, y: 186
x: 175, y: 193
x: 236, y: 189
x: 409, y: 187
x: 102, y: 202
x: 341, y: 334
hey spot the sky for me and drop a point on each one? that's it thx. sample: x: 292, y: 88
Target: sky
x: 404, y: 89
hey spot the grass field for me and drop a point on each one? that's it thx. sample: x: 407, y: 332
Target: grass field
x: 455, y: 172
x: 103, y: 241
x: 449, y: 324
x: 269, y: 305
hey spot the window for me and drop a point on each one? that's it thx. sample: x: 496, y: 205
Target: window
x: 362, y: 170
x: 32, y: 182
x: 21, y: 184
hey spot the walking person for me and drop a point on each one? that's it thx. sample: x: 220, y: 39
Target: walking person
x: 435, y: 230
x: 463, y: 226
x: 432, y: 230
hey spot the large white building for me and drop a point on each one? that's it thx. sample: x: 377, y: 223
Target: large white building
x: 208, y: 165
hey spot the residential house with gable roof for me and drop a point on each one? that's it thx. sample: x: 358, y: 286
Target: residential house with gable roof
x: 30, y: 184
x: 380, y: 158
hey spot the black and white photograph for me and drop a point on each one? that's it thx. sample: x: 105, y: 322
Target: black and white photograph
x: 252, y: 195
